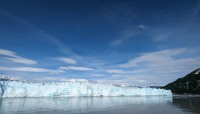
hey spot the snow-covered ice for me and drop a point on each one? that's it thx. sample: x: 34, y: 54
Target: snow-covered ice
x: 197, y: 72
x: 67, y: 89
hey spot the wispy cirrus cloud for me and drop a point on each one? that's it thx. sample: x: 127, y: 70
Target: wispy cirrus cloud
x: 97, y: 75
x: 193, y: 14
x: 126, y: 36
x: 117, y: 42
x: 21, y: 60
x: 114, y: 71
x: 142, y: 26
x: 46, y: 36
x: 159, y: 56
x: 13, y: 57
x: 161, y: 66
x: 60, y: 79
x: 7, y: 53
x: 162, y: 37
x: 30, y: 69
x: 155, y: 68
x: 76, y: 68
x: 51, y: 79
x: 67, y: 60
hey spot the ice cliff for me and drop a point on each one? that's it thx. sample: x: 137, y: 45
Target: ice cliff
x: 67, y: 89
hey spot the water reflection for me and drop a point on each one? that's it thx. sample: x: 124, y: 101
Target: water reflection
x: 188, y: 103
x: 97, y: 105
x: 73, y: 105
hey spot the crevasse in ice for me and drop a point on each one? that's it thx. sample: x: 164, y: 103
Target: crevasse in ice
x: 67, y: 89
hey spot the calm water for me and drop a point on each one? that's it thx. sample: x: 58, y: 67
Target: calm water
x: 104, y: 105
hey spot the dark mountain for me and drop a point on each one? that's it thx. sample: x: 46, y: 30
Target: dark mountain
x: 190, y: 84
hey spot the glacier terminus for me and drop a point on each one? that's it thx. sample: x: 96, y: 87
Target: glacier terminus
x: 73, y: 89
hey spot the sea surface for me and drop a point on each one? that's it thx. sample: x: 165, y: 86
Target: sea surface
x: 102, y: 105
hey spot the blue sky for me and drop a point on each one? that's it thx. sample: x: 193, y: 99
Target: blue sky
x: 139, y: 42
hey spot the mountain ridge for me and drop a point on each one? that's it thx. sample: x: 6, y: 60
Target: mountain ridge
x: 189, y: 84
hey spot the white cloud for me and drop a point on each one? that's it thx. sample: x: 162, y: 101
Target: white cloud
x: 143, y: 27
x: 162, y: 37
x: 126, y: 36
x: 96, y: 75
x: 67, y: 60
x: 7, y: 53
x: 13, y: 57
x: 141, y: 81
x: 46, y: 36
x: 116, y: 42
x: 50, y: 79
x: 161, y: 67
x: 195, y: 13
x: 76, y: 68
x: 139, y: 71
x: 60, y: 79
x: 30, y: 69
x: 21, y: 60
x: 116, y: 71
x: 123, y: 72
x: 155, y: 57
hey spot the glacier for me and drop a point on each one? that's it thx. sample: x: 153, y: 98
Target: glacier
x: 73, y: 89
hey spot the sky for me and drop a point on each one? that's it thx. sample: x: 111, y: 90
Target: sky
x: 135, y: 42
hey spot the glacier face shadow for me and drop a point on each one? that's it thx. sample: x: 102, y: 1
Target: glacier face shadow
x: 77, y: 104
